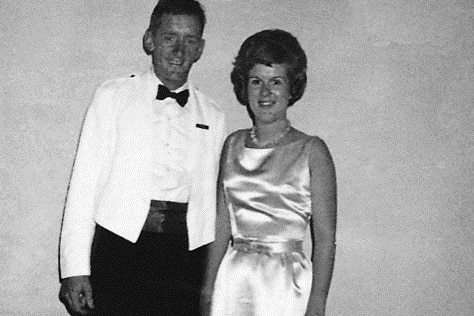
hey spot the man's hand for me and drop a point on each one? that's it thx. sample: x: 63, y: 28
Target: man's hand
x: 76, y: 295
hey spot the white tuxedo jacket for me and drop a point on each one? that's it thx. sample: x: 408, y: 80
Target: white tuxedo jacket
x: 111, y: 179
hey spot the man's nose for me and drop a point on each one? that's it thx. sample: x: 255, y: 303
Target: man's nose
x: 179, y: 47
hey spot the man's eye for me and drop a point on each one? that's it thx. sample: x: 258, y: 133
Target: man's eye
x: 191, y: 41
x: 168, y: 38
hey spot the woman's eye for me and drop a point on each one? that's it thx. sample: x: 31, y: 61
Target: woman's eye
x: 254, y: 82
x: 278, y: 81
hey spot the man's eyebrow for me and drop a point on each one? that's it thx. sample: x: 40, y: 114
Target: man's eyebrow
x: 177, y: 33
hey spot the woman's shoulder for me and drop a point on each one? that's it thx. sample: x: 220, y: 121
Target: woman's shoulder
x: 319, y: 153
x: 317, y: 143
x: 316, y: 146
x: 311, y: 141
x: 235, y: 137
x: 238, y: 134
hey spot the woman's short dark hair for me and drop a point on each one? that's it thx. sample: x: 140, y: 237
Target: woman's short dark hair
x: 177, y: 7
x: 270, y: 47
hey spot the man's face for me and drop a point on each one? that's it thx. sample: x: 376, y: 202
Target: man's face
x: 175, y: 45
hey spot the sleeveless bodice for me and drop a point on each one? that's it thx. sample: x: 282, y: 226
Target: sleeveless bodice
x: 267, y: 191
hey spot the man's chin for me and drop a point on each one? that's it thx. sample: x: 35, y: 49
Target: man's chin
x: 176, y: 79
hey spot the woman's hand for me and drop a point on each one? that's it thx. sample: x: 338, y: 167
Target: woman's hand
x: 206, y: 301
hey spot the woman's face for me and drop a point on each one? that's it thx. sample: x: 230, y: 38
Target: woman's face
x: 269, y: 92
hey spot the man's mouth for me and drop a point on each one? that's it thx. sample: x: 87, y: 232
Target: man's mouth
x: 175, y: 62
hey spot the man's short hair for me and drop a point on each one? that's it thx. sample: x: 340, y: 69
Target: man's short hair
x: 270, y: 47
x: 177, y: 7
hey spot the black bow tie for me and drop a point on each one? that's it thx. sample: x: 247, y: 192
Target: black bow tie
x: 164, y: 92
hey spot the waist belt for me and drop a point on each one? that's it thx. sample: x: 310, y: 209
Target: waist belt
x: 249, y: 245
x: 166, y: 217
x: 292, y: 249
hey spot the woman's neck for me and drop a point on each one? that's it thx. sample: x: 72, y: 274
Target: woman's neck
x: 264, y: 133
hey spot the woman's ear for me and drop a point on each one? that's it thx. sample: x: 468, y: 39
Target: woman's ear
x: 148, y: 43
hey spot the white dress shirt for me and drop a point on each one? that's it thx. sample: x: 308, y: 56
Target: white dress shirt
x: 172, y: 136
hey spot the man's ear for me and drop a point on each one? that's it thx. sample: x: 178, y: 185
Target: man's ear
x: 148, y: 44
x: 200, y: 50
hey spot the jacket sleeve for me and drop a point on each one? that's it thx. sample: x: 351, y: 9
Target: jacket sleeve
x: 92, y: 158
x: 222, y: 132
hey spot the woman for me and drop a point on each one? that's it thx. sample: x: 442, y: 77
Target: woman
x: 274, y: 183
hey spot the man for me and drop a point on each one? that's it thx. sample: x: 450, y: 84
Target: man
x: 141, y: 202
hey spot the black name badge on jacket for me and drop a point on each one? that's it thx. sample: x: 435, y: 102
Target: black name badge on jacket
x: 202, y: 126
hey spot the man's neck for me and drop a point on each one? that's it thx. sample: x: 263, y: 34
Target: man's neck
x: 172, y: 86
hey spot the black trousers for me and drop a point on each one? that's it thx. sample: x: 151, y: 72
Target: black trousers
x: 157, y: 275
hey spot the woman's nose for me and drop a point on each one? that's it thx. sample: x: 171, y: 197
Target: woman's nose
x: 264, y: 90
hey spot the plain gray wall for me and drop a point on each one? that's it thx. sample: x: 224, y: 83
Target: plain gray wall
x: 390, y: 90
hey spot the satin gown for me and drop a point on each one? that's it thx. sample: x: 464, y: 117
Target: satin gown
x: 267, y: 193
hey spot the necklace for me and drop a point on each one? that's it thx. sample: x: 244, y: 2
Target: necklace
x: 270, y: 142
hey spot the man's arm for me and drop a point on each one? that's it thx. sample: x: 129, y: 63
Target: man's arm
x: 78, y: 224
x: 92, y: 154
